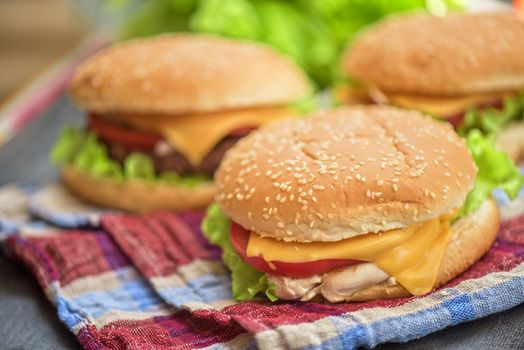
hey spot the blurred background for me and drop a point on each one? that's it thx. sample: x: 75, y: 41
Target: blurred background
x: 40, y: 40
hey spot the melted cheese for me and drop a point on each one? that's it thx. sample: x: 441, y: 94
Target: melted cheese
x: 444, y: 105
x: 195, y: 135
x: 411, y: 255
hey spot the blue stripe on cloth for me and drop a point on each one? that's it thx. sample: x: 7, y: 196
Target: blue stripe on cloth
x: 64, y: 219
x: 460, y: 309
x: 68, y: 312
x: 131, y: 295
x: 207, y: 288
x: 450, y: 311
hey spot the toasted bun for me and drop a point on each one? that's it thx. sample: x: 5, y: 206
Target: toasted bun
x: 471, y: 238
x: 135, y: 195
x: 179, y: 74
x: 345, y: 172
x: 451, y: 55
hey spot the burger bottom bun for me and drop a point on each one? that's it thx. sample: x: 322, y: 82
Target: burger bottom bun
x: 472, y: 236
x: 136, y: 195
x: 511, y: 141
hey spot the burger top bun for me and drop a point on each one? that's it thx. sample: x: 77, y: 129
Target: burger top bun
x: 180, y: 74
x: 451, y: 55
x: 344, y: 172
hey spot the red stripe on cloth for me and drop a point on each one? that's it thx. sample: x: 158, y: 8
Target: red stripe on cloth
x: 34, y: 258
x: 157, y: 243
x: 177, y: 331
x: 257, y: 316
x: 512, y: 230
x: 66, y: 257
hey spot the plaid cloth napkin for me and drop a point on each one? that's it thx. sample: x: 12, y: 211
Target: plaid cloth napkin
x: 153, y: 282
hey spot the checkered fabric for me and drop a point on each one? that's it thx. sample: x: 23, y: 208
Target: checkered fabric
x: 153, y: 282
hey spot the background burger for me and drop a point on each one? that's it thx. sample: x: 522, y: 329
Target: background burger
x: 357, y: 203
x: 465, y: 68
x: 162, y: 112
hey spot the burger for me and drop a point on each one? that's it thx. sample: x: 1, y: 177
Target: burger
x: 353, y: 204
x: 162, y: 111
x: 464, y: 68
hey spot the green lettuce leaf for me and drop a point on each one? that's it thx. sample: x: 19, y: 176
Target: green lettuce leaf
x: 492, y: 120
x: 495, y: 170
x: 312, y: 32
x: 246, y: 282
x: 84, y: 151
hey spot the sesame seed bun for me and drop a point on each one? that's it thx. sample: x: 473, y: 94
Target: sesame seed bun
x: 452, y: 55
x: 179, y: 74
x: 344, y: 172
x: 136, y: 195
x: 472, y: 236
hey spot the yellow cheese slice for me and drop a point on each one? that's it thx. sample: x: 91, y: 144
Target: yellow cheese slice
x: 195, y: 135
x: 412, y: 255
x: 445, y: 106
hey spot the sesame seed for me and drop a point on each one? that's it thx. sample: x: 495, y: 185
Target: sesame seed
x: 280, y: 225
x: 395, y: 187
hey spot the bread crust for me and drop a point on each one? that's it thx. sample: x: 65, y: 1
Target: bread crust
x: 457, y: 54
x: 344, y: 172
x: 184, y: 73
x: 472, y: 236
x: 135, y: 195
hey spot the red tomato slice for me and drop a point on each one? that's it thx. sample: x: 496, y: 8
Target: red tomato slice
x: 242, y: 131
x: 455, y: 119
x: 120, y: 134
x: 458, y: 118
x: 240, y: 237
